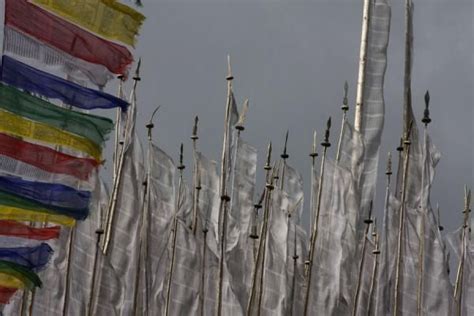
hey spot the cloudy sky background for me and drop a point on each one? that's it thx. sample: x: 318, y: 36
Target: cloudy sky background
x: 291, y: 58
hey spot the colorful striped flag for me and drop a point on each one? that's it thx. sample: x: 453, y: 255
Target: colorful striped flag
x: 108, y: 18
x: 16, y: 229
x: 13, y: 275
x: 6, y: 294
x: 19, y: 126
x: 65, y: 36
x: 45, y: 158
x: 34, y: 52
x: 54, y: 198
x: 20, y: 75
x: 34, y: 258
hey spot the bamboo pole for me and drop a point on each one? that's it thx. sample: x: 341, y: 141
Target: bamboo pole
x: 460, y: 271
x: 194, y: 138
x: 284, y: 156
x: 373, y: 282
x: 99, y: 232
x: 313, y: 156
x: 295, y: 267
x: 266, y: 216
x: 223, y: 189
x: 326, y: 144
x: 117, y: 142
x: 68, y: 270
x: 362, y: 64
x: 367, y: 221
x: 401, y: 226
x: 181, y: 167
x: 344, y: 108
x: 424, y: 203
x: 268, y: 179
x: 114, y: 196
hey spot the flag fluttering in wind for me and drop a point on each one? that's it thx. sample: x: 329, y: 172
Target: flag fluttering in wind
x: 50, y: 154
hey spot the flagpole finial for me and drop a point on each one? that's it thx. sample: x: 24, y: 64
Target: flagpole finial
x: 195, y: 136
x: 388, y: 171
x: 426, y: 114
x: 285, y: 155
x: 313, y: 153
x: 345, y: 101
x: 326, y: 142
x: 229, y: 70
x: 269, y: 157
x: 181, y: 156
x: 137, y: 70
x: 240, y: 123
x: 150, y: 124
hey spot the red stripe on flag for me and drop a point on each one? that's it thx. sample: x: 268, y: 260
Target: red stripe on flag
x: 46, y: 158
x: 65, y: 36
x: 16, y: 229
x: 6, y: 294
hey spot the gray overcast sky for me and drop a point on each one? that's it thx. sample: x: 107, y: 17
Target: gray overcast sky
x: 291, y: 58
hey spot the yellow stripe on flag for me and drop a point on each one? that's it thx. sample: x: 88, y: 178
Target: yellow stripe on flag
x: 24, y: 215
x: 7, y: 280
x: 18, y: 126
x: 107, y: 18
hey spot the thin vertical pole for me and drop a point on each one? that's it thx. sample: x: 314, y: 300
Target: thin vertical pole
x: 99, y: 233
x: 362, y: 64
x: 223, y: 190
x: 175, y: 233
x: 344, y: 108
x: 460, y: 271
x: 314, y: 236
x: 401, y: 224
x: 368, y: 221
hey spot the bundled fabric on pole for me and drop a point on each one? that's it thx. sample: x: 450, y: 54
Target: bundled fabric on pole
x: 22, y: 76
x: 107, y: 18
x: 67, y: 37
x: 12, y: 228
x: 34, y: 258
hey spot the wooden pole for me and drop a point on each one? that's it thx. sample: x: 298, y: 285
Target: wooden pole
x: 313, y: 156
x: 175, y: 233
x: 401, y: 226
x: 373, y: 282
x: 368, y: 221
x: 99, y: 232
x: 460, y: 271
x: 424, y: 205
x: 344, y: 108
x: 194, y: 138
x: 362, y: 64
x: 114, y: 196
x: 314, y: 236
x: 261, y: 245
x: 223, y: 189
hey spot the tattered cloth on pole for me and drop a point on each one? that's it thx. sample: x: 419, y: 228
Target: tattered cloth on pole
x: 373, y: 107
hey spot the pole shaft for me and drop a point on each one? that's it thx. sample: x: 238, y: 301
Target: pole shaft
x: 362, y: 65
x: 314, y: 235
